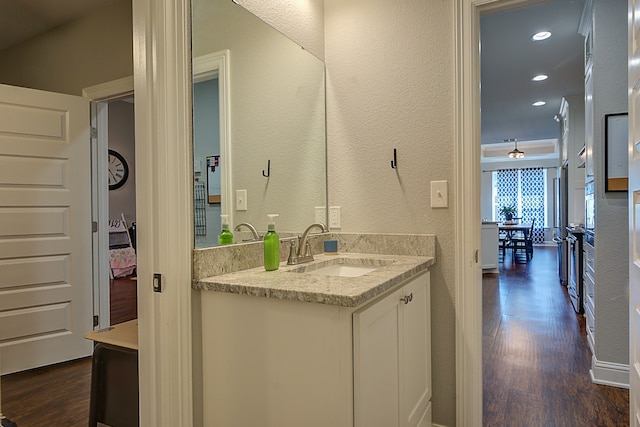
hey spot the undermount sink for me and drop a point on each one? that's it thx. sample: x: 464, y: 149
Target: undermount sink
x: 342, y: 267
x: 342, y: 270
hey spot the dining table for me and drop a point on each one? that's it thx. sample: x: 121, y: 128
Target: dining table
x: 511, y: 229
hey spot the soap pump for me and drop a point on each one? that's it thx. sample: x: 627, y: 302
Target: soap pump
x: 271, y: 245
x: 226, y: 236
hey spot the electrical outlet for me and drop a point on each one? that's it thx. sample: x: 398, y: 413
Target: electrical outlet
x: 321, y: 214
x: 241, y: 200
x: 334, y: 217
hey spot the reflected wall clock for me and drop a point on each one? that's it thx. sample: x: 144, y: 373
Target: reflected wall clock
x: 118, y: 170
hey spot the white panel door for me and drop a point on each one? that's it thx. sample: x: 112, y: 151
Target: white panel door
x: 634, y: 211
x: 45, y: 228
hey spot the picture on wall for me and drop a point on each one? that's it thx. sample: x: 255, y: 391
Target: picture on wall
x: 213, y: 179
x: 616, y: 134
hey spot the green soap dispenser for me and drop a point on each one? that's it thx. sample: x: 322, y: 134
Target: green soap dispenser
x: 271, y: 245
x: 226, y: 236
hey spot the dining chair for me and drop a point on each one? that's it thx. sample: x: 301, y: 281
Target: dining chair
x: 522, y: 246
x: 504, y: 243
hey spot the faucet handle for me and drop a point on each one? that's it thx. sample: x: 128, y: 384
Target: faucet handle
x: 307, y: 249
x: 293, y: 252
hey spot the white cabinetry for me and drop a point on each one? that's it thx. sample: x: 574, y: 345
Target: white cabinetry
x: 590, y: 294
x: 271, y: 363
x: 392, y: 384
x: 588, y: 124
x: 606, y: 278
x: 489, y: 245
x: 572, y: 113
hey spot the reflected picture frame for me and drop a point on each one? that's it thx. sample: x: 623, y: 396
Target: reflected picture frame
x: 616, y: 163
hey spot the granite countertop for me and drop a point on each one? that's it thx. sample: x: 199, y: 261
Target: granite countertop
x: 287, y: 284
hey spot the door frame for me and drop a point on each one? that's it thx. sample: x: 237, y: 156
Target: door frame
x: 467, y: 219
x: 100, y: 95
x: 164, y: 210
x: 206, y: 67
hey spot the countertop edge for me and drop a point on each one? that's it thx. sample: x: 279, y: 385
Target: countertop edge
x: 218, y: 284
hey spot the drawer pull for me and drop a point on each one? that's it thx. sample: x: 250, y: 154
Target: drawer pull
x: 407, y: 299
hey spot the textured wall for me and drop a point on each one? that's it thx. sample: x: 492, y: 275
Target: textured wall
x: 95, y: 49
x: 303, y: 21
x: 390, y: 82
x: 612, y: 232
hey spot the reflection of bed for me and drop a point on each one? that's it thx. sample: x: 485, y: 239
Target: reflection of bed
x: 122, y: 255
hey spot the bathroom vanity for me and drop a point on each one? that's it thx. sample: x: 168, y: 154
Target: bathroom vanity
x: 308, y: 345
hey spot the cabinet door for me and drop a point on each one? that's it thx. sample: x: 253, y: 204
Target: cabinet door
x: 415, y: 352
x: 489, y: 246
x: 376, y: 350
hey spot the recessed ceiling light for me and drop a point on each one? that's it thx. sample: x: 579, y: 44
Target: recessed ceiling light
x: 540, y: 77
x: 542, y: 35
x: 538, y: 103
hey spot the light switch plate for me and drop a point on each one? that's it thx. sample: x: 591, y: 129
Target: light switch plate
x: 334, y: 217
x: 321, y: 214
x: 439, y: 197
x: 241, y: 200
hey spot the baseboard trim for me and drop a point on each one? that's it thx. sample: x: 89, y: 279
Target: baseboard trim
x: 607, y: 373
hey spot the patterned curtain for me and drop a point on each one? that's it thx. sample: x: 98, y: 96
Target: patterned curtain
x: 523, y: 188
x: 533, y: 202
x: 507, y: 181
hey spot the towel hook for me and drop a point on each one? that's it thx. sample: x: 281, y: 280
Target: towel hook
x: 266, y: 175
x: 394, y: 162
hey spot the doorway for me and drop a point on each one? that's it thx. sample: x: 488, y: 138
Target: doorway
x: 511, y: 13
x: 113, y: 203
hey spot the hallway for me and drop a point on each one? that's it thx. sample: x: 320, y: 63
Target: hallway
x: 536, y: 359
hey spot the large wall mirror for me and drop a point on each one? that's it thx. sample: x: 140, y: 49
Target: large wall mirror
x: 259, y: 124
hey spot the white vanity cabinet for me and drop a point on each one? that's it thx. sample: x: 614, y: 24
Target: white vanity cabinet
x: 490, y: 246
x: 273, y: 362
x: 392, y: 381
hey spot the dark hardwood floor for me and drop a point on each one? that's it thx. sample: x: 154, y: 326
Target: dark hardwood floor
x: 536, y: 358
x: 59, y: 395
x: 56, y: 395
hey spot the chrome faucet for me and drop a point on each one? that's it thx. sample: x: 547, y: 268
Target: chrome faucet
x: 251, y: 228
x: 303, y: 252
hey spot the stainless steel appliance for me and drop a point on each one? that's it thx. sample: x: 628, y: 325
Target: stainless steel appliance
x: 575, y: 285
x: 561, y: 222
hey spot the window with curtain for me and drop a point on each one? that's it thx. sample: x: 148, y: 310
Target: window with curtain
x: 526, y: 189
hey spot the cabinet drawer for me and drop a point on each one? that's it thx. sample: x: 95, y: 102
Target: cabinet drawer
x: 589, y: 284
x: 590, y: 303
x: 590, y: 325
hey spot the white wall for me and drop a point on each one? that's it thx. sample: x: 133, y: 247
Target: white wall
x: 612, y: 235
x: 95, y: 49
x: 390, y: 83
x: 122, y: 140
x: 303, y: 22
